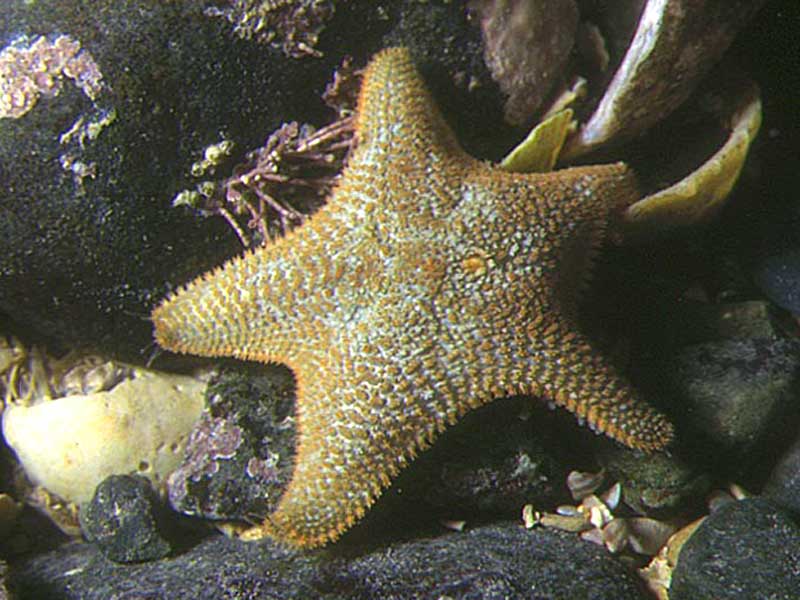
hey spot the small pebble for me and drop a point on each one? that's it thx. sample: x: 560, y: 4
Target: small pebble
x: 124, y: 520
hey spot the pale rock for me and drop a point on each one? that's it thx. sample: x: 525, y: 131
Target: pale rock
x: 69, y: 445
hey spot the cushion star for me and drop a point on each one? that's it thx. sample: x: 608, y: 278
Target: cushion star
x: 430, y: 284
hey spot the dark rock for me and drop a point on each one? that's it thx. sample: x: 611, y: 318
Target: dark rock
x: 653, y: 483
x: 783, y: 485
x: 489, y: 562
x: 736, y: 392
x: 778, y: 276
x: 125, y: 520
x: 494, y: 461
x: 503, y: 561
x: 239, y: 457
x: 773, y: 227
x: 701, y: 322
x: 89, y: 239
x: 216, y: 568
x: 746, y: 549
x: 527, y: 47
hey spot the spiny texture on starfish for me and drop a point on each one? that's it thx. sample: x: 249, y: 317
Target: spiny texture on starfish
x: 430, y: 284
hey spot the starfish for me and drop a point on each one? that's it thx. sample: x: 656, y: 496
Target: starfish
x: 430, y: 284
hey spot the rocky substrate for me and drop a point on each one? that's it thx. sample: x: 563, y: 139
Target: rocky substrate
x: 137, y: 98
x: 498, y: 561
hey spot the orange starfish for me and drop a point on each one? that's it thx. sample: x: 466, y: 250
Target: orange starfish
x: 430, y: 284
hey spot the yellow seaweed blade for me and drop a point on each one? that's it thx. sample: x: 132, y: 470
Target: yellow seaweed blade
x: 700, y: 195
x: 539, y: 151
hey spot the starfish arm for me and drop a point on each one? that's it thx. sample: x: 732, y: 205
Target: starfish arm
x: 393, y: 92
x: 569, y: 199
x: 572, y: 208
x: 578, y: 203
x: 540, y: 270
x: 349, y: 450
x: 569, y: 372
x: 547, y: 228
x: 252, y: 307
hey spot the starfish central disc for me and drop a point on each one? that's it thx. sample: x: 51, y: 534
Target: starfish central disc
x: 430, y: 284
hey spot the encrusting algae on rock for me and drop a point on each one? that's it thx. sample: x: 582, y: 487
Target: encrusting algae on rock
x: 30, y: 69
x: 429, y: 285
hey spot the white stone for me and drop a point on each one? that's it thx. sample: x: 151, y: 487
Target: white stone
x: 69, y: 445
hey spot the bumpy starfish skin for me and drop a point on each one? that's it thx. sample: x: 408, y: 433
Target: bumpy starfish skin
x: 430, y: 284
